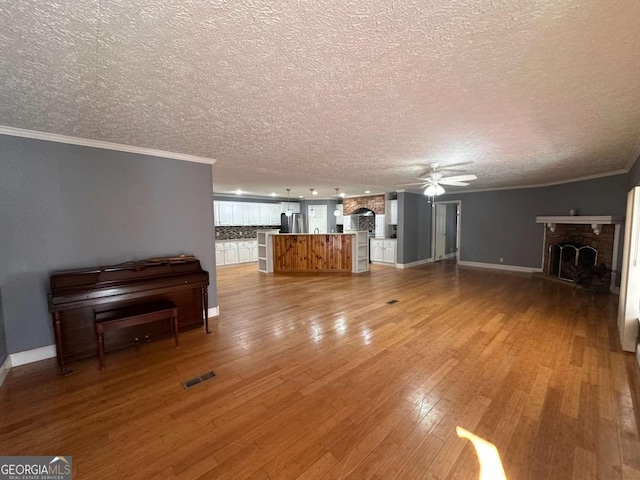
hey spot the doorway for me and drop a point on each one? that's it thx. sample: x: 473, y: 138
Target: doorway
x: 317, y: 218
x: 446, y: 230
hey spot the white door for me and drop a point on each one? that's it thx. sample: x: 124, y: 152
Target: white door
x: 317, y: 218
x: 441, y: 229
x: 629, y: 306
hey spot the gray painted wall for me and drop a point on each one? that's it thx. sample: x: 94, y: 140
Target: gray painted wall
x: 3, y: 340
x: 414, y: 227
x: 502, y: 223
x: 634, y: 175
x: 331, y: 206
x: 65, y: 206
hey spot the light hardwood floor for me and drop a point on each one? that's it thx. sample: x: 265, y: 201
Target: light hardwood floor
x: 318, y: 377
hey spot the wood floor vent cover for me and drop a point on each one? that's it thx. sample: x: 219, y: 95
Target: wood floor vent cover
x: 391, y: 302
x: 192, y: 382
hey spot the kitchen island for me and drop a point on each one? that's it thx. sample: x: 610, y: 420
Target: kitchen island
x: 313, y: 252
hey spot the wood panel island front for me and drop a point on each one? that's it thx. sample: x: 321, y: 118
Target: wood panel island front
x: 313, y: 252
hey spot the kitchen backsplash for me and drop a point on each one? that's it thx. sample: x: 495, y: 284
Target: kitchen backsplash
x: 231, y: 233
x: 367, y: 223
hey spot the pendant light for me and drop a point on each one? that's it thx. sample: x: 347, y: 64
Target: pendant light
x: 312, y: 212
x: 288, y: 212
x: 336, y: 212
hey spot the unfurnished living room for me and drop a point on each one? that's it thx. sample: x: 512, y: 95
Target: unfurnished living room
x: 325, y: 239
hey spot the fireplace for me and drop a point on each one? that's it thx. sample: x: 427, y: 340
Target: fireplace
x: 565, y: 257
x: 581, y: 249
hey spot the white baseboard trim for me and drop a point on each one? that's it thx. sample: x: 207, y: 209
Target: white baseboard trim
x: 637, y: 356
x: 499, y: 266
x: 450, y: 255
x: 30, y: 356
x: 4, y: 369
x: 414, y: 264
x: 387, y: 264
x: 213, y: 312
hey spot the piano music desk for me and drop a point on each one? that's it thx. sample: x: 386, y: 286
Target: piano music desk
x: 116, y: 319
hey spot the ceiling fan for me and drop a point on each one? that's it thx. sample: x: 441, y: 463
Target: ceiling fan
x: 435, y: 179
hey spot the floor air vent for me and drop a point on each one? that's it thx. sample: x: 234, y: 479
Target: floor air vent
x: 192, y: 382
x: 391, y: 302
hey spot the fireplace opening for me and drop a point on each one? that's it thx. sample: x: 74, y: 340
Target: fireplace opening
x: 567, y: 257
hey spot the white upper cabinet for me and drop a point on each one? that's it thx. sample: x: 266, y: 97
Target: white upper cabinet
x: 246, y: 213
x: 225, y: 213
x: 237, y: 215
x: 253, y: 214
x: 293, y: 206
x: 380, y: 226
x: 392, y: 212
x: 339, y: 218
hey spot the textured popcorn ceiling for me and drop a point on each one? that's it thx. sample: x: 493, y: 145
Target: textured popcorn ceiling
x: 335, y: 93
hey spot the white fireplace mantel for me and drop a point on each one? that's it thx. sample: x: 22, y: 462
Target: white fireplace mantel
x: 596, y: 221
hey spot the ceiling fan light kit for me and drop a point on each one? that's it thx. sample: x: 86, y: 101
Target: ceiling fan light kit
x: 434, y: 190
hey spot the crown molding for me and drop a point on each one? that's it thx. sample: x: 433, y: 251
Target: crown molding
x: 539, y: 185
x: 85, y: 142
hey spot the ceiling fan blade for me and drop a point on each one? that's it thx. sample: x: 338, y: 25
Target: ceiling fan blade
x: 409, y: 184
x: 444, y: 181
x: 453, y: 166
x: 460, y: 178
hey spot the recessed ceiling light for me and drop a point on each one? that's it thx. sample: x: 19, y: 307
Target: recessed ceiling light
x: 273, y: 194
x: 367, y: 191
x: 314, y: 192
x: 342, y: 194
x: 238, y: 192
x: 301, y: 196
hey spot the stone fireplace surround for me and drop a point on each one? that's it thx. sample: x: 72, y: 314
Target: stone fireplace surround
x: 600, y: 232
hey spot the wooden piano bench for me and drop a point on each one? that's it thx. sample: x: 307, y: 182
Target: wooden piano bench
x: 125, y: 317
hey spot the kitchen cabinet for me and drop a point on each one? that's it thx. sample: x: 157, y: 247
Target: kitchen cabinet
x: 244, y: 252
x: 254, y: 250
x: 274, y: 215
x: 392, y: 212
x: 380, y: 226
x: 237, y: 214
x: 225, y: 214
x: 293, y: 206
x: 269, y: 214
x: 389, y: 251
x: 339, y: 218
x: 230, y: 253
x: 219, y: 254
x: 383, y: 251
x: 252, y: 214
x: 246, y: 213
x: 377, y: 250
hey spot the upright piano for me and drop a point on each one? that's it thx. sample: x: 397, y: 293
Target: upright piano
x: 76, y: 295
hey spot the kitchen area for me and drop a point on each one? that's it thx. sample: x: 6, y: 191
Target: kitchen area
x: 355, y: 231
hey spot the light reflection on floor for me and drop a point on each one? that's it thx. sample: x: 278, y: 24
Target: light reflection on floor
x: 488, y: 456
